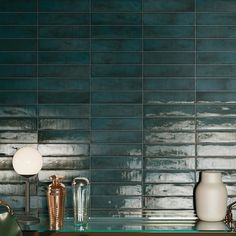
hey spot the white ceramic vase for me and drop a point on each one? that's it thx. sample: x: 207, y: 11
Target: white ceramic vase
x: 211, y: 197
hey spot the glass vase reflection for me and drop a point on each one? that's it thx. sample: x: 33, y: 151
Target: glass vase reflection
x: 81, y: 196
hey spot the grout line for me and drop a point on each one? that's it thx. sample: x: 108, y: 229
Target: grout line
x: 195, y: 94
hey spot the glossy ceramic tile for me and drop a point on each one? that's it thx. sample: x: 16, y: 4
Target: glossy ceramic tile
x: 117, y: 202
x: 63, y: 44
x: 138, y: 96
x: 63, y: 6
x: 59, y: 111
x: 215, y: 6
x: 167, y: 151
x: 116, y: 136
x: 115, y: 162
x: 116, y: 110
x: 18, y: 45
x: 168, y: 203
x: 168, y: 18
x: 168, y: 189
x: 169, y: 6
x: 116, y: 6
x: 107, y: 189
x: 168, y: 137
x: 63, y: 136
x: 116, y: 18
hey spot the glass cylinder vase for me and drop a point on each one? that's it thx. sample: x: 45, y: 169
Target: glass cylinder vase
x: 81, y: 196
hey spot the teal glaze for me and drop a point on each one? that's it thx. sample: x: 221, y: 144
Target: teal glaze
x: 137, y: 96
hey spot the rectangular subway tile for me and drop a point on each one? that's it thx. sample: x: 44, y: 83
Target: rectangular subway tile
x: 64, y: 150
x: 18, y: 18
x: 18, y: 32
x: 206, y: 110
x: 158, y: 110
x: 63, y: 6
x: 216, y: 97
x: 69, y: 71
x: 216, y: 70
x: 169, y: 70
x: 168, y: 32
x: 216, y: 31
x: 115, y: 97
x: 216, y: 18
x: 169, y: 163
x: 168, y: 6
x: 18, y: 98
x: 18, y: 137
x: 116, y: 18
x: 169, y: 57
x: 216, y: 163
x: 18, y: 111
x: 216, y: 137
x: 65, y: 44
x: 116, y: 123
x: 59, y: 111
x: 64, y: 124
x: 117, y: 58
x: 18, y: 70
x: 168, y: 189
x: 216, y: 150
x: 114, y: 162
x: 64, y: 163
x: 168, y: 44
x: 174, y: 97
x: 63, y: 32
x: 160, y: 83
x: 63, y: 136
x: 168, y: 137
x: 16, y: 6
x: 216, y: 57
x: 116, y: 202
x: 18, y: 84
x: 113, y: 110
x: 116, y: 136
x: 168, y: 18
x: 107, y: 45
x: 116, y: 189
x: 170, y: 124
x: 219, y: 84
x: 215, y: 6
x: 63, y: 58
x: 18, y: 124
x: 18, y: 57
x: 18, y: 45
x: 117, y: 6
x: 168, y: 203
x: 63, y: 84
x: 63, y: 97
x: 162, y: 150
x: 216, y: 44
x: 116, y: 176
x: 152, y: 176
x: 116, y: 150
x: 64, y: 19
x: 116, y: 70
x: 114, y: 32
x: 216, y: 123
x: 116, y: 84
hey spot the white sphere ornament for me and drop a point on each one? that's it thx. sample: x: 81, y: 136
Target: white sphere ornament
x: 27, y: 161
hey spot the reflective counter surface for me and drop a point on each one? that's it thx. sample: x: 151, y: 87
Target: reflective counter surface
x: 132, y: 225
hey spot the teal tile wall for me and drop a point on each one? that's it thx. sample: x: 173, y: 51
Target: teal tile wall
x: 137, y: 95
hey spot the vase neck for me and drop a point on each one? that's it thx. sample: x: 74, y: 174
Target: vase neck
x: 211, y: 177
